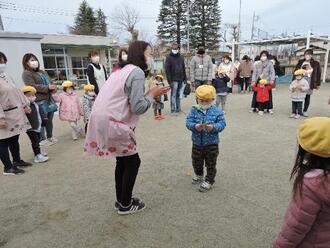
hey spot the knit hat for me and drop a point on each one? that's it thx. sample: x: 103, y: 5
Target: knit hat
x: 89, y: 87
x: 263, y: 82
x: 299, y: 72
x: 26, y: 89
x: 67, y: 84
x: 314, y: 136
x: 159, y: 76
x: 205, y: 92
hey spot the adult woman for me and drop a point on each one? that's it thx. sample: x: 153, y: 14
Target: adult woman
x: 96, y: 72
x: 33, y: 76
x: 13, y: 121
x: 122, y: 58
x: 114, y: 118
x: 263, y: 70
x: 245, y: 72
x: 228, y: 66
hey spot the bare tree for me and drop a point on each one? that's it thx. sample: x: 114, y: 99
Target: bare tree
x: 127, y: 18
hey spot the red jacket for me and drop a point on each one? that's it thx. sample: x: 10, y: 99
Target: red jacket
x: 262, y: 92
x: 307, y: 219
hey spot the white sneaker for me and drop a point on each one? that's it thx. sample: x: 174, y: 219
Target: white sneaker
x: 261, y: 113
x: 297, y: 116
x: 53, y: 140
x: 271, y: 111
x: 40, y: 158
x: 305, y: 114
x: 252, y: 110
x: 44, y: 153
x: 292, y: 116
x: 205, y: 186
x: 45, y: 142
x: 196, y: 179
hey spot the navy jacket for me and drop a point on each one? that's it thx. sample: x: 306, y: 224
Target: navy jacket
x: 220, y: 84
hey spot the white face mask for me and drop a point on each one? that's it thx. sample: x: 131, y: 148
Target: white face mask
x: 124, y: 57
x: 2, y: 68
x: 70, y: 91
x: 263, y: 58
x: 205, y: 106
x: 175, y: 51
x: 34, y: 64
x: 32, y: 98
x: 91, y: 93
x: 226, y: 61
x: 96, y: 59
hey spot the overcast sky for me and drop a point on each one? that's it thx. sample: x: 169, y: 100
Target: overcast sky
x: 276, y: 16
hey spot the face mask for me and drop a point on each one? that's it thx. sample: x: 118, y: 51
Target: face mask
x: 263, y: 58
x: 308, y: 57
x: 69, y: 92
x: 96, y: 59
x: 201, y: 51
x: 34, y: 64
x: 299, y: 77
x: 32, y: 98
x: 91, y: 93
x: 226, y: 61
x: 150, y: 62
x: 175, y: 51
x: 205, y: 106
x: 124, y: 57
x: 2, y: 68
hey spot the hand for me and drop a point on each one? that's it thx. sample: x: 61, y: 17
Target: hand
x: 199, y: 127
x: 253, y: 84
x: 158, y: 91
x: 52, y: 87
x: 209, y: 128
x: 3, y: 123
x: 27, y: 110
x: 209, y: 82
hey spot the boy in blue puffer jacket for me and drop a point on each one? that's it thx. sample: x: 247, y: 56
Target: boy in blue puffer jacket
x: 205, y: 121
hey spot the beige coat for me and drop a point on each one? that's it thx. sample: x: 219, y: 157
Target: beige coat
x: 12, y: 102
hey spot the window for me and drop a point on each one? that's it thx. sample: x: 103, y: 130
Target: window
x: 79, y: 65
x: 55, y: 65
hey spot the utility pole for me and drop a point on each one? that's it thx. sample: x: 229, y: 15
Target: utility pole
x: 188, y: 26
x: 239, y: 28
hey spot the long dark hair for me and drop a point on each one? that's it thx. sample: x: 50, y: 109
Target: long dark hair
x: 136, y: 54
x: 26, y: 59
x: 3, y: 58
x: 305, y: 162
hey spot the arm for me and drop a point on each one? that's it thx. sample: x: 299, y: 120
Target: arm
x: 192, y: 69
x: 134, y: 89
x: 168, y: 70
x: 220, y: 124
x: 272, y: 73
x: 254, y: 87
x: 57, y: 97
x: 91, y: 78
x: 318, y: 75
x: 292, y: 86
x: 305, y: 87
x: 81, y: 112
x: 191, y: 121
x: 184, y: 71
x: 254, y: 74
x: 226, y: 79
x: 105, y: 72
x: 29, y: 80
x: 210, y: 71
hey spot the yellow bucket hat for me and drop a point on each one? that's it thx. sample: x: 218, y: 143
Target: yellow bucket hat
x: 263, y: 82
x: 299, y: 72
x: 67, y: 84
x: 205, y: 92
x: 89, y: 87
x: 26, y: 89
x: 314, y: 136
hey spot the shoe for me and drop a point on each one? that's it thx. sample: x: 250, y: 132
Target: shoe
x: 196, y: 179
x: 117, y: 204
x: 21, y: 164
x: 161, y: 117
x: 271, y: 111
x: 305, y: 114
x: 292, y: 116
x: 74, y: 135
x: 134, y: 207
x: 53, y: 140
x: 261, y: 113
x: 205, y: 186
x: 156, y: 117
x: 44, y: 153
x: 40, y: 158
x: 297, y: 116
x: 45, y: 143
x: 13, y: 171
x: 252, y: 110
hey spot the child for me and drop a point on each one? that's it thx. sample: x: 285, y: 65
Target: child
x: 262, y: 89
x: 307, y: 219
x: 87, y: 103
x: 158, y: 105
x: 35, y: 121
x: 205, y: 121
x: 70, y: 108
x: 220, y: 84
x: 298, y: 88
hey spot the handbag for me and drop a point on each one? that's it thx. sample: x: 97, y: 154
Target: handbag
x: 187, y: 89
x: 52, y: 106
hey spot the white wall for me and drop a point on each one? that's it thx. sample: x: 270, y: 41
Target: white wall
x: 14, y: 49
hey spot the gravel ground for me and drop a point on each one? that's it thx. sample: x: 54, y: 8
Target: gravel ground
x: 68, y: 202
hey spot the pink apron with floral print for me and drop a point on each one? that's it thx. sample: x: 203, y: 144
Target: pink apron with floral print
x: 111, y: 126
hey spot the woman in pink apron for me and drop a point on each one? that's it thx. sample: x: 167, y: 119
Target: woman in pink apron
x: 114, y: 118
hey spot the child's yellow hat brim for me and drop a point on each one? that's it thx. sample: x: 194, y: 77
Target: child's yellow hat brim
x: 26, y: 89
x: 299, y: 72
x: 89, y: 87
x: 67, y: 84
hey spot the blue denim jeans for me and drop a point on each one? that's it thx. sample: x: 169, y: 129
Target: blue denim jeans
x: 175, y: 97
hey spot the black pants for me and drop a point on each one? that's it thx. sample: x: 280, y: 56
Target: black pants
x: 254, y: 100
x: 244, y: 83
x: 86, y: 127
x: 307, y: 102
x: 262, y: 106
x: 207, y: 155
x: 35, y: 139
x: 10, y: 144
x: 297, y: 108
x: 126, y: 171
x: 270, y: 102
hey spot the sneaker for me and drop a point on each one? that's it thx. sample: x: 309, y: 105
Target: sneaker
x: 53, y: 140
x: 40, y: 158
x: 117, y: 204
x: 74, y: 135
x: 21, y: 164
x: 46, y: 142
x: 134, y: 207
x: 292, y: 116
x: 261, y: 113
x: 297, y: 116
x: 13, y: 171
x: 205, y: 186
x: 271, y: 111
x: 196, y: 179
x: 44, y: 153
x: 305, y: 114
x: 156, y: 117
x: 252, y: 110
x: 161, y: 117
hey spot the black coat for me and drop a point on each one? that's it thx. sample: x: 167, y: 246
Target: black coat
x: 316, y: 75
x: 175, y: 68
